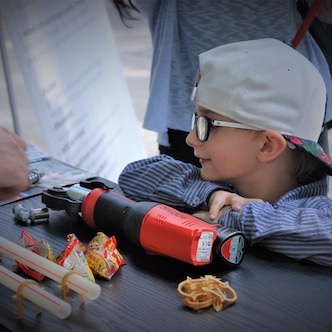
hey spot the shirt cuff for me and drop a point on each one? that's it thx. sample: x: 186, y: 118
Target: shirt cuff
x: 197, y: 195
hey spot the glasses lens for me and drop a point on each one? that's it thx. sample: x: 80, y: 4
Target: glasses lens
x: 202, y: 128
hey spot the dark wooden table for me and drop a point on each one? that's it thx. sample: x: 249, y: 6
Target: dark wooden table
x: 274, y: 293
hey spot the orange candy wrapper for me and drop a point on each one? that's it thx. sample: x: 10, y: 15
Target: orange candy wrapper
x: 41, y: 248
x: 103, y: 256
x: 73, y: 258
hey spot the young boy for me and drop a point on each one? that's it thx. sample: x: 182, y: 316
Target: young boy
x: 260, y: 108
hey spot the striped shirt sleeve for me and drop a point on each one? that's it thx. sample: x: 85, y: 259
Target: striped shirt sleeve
x: 165, y: 180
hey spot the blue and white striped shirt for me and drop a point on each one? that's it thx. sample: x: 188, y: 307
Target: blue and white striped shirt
x: 298, y: 224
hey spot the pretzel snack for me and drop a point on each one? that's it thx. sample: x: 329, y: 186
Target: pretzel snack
x: 206, y: 291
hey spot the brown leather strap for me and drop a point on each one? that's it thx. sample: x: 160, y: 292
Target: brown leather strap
x: 306, y: 22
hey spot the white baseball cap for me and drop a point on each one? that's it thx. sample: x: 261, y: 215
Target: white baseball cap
x: 267, y: 85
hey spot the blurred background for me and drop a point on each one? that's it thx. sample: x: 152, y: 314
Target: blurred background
x: 134, y: 48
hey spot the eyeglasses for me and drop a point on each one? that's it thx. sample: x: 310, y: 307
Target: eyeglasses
x: 204, y: 125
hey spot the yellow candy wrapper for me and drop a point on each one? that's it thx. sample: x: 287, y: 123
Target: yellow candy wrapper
x: 103, y: 256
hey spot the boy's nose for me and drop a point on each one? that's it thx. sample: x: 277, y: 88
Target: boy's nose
x: 191, y: 139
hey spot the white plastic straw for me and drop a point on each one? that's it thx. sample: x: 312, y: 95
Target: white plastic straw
x: 35, y: 294
x: 77, y: 283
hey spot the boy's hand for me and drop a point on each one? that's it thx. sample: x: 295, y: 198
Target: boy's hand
x: 205, y: 215
x: 220, y: 201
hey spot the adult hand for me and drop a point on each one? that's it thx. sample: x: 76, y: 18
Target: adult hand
x: 14, y: 174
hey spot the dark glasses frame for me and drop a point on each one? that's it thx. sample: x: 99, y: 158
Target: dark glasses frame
x: 204, y: 125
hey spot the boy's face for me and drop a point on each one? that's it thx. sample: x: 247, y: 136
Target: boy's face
x: 229, y: 154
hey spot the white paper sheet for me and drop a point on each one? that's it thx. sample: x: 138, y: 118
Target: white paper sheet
x: 71, y: 67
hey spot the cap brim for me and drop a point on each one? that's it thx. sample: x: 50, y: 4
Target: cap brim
x: 314, y: 149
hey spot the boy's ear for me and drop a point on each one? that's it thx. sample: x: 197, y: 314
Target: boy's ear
x: 273, y: 144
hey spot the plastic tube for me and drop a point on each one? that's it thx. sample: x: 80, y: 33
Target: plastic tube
x: 35, y: 294
x: 75, y: 282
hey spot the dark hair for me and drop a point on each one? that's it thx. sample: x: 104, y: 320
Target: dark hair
x: 306, y: 167
x: 126, y: 8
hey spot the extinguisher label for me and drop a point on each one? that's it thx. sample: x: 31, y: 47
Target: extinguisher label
x: 204, y: 247
x: 232, y: 249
